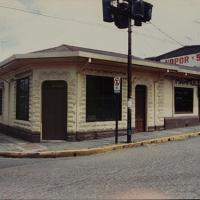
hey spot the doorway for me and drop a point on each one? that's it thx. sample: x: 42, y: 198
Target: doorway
x: 140, y: 108
x: 54, y: 110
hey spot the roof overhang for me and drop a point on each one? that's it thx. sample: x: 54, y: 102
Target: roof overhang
x: 136, y: 61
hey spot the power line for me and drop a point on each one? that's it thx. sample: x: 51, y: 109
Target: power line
x: 145, y: 35
x: 39, y: 13
x: 166, y: 34
x: 197, y: 21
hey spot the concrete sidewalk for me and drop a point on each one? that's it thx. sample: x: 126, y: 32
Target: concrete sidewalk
x: 9, y: 144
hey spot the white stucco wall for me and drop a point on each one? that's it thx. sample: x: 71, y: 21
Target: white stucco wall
x: 160, y: 98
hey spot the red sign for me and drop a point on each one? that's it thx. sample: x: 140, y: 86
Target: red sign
x: 187, y: 60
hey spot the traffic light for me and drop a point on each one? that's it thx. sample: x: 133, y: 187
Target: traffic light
x: 121, y: 21
x: 138, y: 23
x: 147, y: 12
x: 121, y: 15
x: 107, y: 14
x: 137, y: 12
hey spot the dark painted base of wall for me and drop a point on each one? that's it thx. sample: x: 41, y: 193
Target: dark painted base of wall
x: 80, y: 136
x: 20, y: 133
x: 155, y: 128
x: 179, y: 122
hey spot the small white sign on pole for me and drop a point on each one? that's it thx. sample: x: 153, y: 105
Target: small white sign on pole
x: 117, y: 85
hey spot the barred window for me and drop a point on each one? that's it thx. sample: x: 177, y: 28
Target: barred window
x: 22, y: 99
x: 183, y: 100
x: 1, y: 101
x: 100, y: 99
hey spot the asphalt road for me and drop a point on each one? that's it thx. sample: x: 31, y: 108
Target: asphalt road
x: 169, y: 170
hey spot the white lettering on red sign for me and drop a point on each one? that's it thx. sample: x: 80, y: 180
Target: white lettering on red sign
x: 187, y: 60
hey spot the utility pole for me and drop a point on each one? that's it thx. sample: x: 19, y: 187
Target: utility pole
x: 129, y: 77
x: 122, y: 15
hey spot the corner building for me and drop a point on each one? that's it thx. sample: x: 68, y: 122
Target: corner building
x: 66, y: 93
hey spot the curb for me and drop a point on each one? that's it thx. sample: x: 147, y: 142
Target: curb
x: 98, y: 150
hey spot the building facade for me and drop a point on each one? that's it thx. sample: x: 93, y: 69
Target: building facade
x: 186, y: 56
x: 66, y: 93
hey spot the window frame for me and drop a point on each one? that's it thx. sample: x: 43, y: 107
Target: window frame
x: 22, y: 98
x: 110, y: 98
x: 189, y: 111
x: 1, y: 101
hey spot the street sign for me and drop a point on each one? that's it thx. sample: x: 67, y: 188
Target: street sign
x: 117, y: 90
x: 117, y: 84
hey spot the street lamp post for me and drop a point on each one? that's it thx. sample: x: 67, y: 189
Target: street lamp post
x: 122, y: 15
x: 129, y: 77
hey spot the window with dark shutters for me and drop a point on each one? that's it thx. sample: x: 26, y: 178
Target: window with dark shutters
x: 100, y: 99
x: 183, y: 100
x: 22, y: 99
x: 1, y: 101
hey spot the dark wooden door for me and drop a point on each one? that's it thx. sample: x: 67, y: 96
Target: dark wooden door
x: 140, y: 108
x: 54, y: 110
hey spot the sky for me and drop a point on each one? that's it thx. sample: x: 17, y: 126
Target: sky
x: 175, y: 23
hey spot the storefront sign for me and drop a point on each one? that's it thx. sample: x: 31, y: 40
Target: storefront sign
x: 184, y: 81
x: 187, y: 60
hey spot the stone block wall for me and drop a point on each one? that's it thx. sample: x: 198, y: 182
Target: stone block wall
x: 146, y: 79
x: 139, y: 78
x: 159, y: 99
x: 41, y: 75
x: 9, y: 100
x: 82, y: 125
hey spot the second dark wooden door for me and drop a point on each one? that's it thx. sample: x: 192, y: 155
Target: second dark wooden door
x: 140, y: 108
x: 54, y: 110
